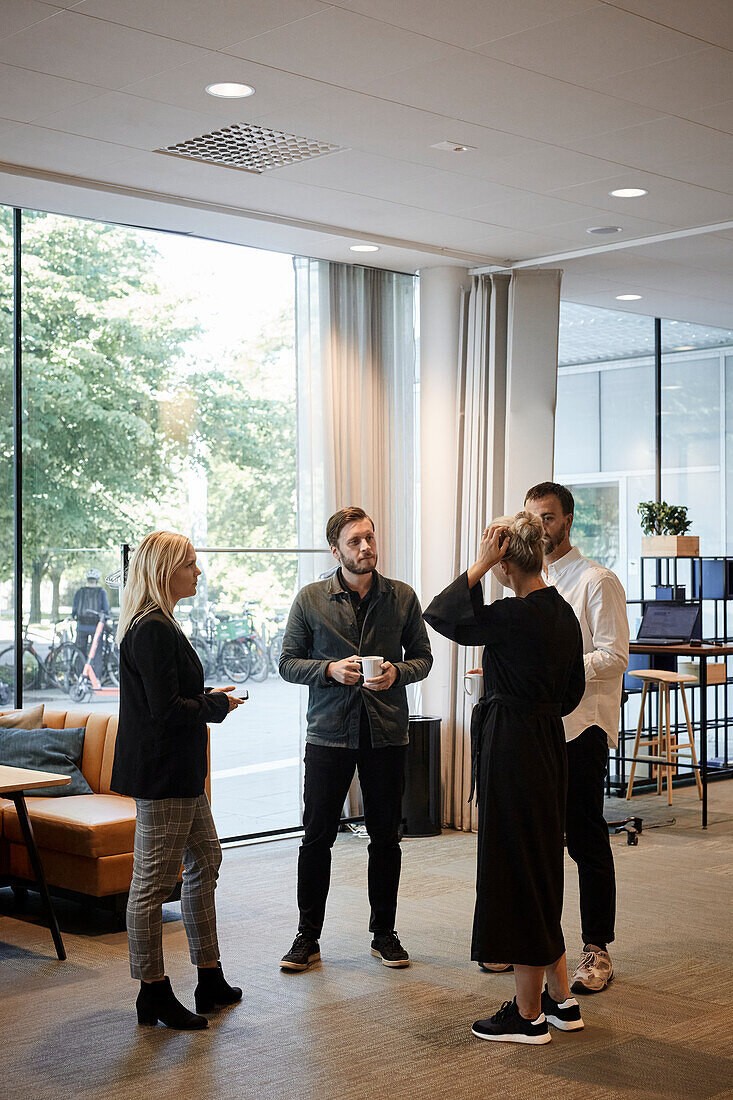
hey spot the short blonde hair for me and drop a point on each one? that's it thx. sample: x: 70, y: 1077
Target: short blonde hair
x: 527, y: 540
x: 148, y: 579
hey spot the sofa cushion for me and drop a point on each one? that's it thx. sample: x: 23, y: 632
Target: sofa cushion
x: 29, y: 719
x: 85, y: 824
x: 46, y: 750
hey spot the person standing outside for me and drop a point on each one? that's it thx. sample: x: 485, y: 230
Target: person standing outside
x: 599, y: 601
x: 353, y: 723
x: 89, y: 606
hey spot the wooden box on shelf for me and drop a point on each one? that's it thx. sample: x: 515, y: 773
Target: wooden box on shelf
x: 670, y: 546
x: 716, y: 671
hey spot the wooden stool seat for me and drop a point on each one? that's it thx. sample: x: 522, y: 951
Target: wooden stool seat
x: 659, y: 676
x: 666, y: 750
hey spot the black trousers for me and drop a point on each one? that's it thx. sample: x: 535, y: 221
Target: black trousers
x: 587, y: 835
x: 328, y: 775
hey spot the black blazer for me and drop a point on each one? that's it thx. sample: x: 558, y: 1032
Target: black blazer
x: 164, y: 709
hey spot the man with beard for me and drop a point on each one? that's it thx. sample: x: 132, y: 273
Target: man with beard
x: 353, y: 723
x: 599, y: 601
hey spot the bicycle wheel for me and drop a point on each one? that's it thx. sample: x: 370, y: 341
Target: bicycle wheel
x: 112, y: 665
x: 259, y: 665
x: 81, y: 691
x: 65, y: 664
x: 235, y: 661
x: 204, y: 654
x: 32, y: 674
x: 274, y: 650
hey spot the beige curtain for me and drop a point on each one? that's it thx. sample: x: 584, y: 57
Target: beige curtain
x: 356, y: 358
x: 507, y: 371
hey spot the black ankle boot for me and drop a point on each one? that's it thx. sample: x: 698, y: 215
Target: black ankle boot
x: 157, y: 1001
x: 213, y: 990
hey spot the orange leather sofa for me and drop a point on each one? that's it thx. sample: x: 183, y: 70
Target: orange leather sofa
x: 85, y: 841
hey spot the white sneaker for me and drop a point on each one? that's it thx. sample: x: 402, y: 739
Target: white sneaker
x: 593, y: 972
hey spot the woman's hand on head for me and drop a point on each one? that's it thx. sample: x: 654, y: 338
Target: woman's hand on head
x: 492, y: 548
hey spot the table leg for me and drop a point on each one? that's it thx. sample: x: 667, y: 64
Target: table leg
x: 704, y: 736
x: 30, y: 842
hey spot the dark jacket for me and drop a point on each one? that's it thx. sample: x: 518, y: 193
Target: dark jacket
x: 164, y: 709
x: 322, y: 628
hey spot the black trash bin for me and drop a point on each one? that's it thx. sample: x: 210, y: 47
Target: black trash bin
x: 421, y: 808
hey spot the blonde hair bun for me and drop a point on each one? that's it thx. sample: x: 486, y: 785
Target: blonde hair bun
x: 527, y: 540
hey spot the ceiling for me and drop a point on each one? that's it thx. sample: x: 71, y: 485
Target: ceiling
x: 561, y: 101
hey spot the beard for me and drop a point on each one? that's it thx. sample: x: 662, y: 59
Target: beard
x: 358, y: 567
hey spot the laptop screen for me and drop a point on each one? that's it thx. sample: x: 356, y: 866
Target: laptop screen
x: 665, y: 620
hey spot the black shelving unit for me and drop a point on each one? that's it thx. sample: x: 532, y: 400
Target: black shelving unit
x: 707, y: 582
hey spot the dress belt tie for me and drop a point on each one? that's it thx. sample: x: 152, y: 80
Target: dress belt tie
x: 528, y: 708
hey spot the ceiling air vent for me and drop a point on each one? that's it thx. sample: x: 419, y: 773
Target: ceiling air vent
x: 250, y: 148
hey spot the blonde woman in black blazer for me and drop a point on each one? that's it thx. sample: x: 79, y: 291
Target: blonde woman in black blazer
x: 160, y: 761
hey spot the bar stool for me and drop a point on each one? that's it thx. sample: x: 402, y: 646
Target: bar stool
x: 665, y: 747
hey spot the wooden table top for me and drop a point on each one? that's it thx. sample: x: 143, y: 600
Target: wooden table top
x: 707, y: 649
x: 20, y: 779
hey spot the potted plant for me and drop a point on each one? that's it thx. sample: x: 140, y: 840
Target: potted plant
x: 665, y: 529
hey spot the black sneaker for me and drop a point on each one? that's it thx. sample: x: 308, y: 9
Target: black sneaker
x: 565, y: 1015
x: 387, y: 947
x: 509, y: 1026
x: 304, y: 952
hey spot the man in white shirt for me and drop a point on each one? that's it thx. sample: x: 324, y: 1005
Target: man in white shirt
x: 599, y: 601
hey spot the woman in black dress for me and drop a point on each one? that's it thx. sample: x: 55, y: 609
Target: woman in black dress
x: 533, y: 675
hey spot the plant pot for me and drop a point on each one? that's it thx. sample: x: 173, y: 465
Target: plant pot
x: 670, y: 546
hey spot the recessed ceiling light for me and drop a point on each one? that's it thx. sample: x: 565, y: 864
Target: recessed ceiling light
x: 685, y: 347
x: 230, y: 91
x: 628, y: 193
x: 628, y: 297
x: 604, y: 230
x: 364, y: 248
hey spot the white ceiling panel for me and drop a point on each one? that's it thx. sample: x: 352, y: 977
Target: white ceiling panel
x: 92, y: 51
x: 677, y: 87
x: 710, y: 252
x: 531, y: 211
x: 709, y: 20
x: 16, y: 15
x: 380, y: 126
x: 340, y: 47
x: 590, y: 45
x: 546, y: 168
x: 720, y: 117
x: 185, y: 86
x: 26, y: 96
x: 661, y: 146
x: 211, y: 25
x: 34, y: 147
x: 133, y: 121
x: 491, y: 93
x: 468, y: 22
x: 678, y: 204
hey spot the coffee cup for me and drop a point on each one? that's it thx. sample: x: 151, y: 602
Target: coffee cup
x: 473, y: 684
x: 371, y: 667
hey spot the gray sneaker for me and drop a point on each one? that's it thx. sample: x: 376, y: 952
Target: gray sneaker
x: 593, y: 972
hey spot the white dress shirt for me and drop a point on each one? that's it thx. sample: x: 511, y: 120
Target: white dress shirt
x: 598, y: 599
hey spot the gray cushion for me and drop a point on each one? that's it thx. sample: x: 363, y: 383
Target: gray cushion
x: 29, y: 719
x: 46, y: 750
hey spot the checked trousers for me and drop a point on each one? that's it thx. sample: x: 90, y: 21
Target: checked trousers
x: 170, y: 832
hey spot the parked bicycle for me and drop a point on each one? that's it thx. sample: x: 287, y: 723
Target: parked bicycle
x: 57, y: 670
x: 218, y: 640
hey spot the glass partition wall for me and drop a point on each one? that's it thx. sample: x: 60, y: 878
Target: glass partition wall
x: 158, y: 391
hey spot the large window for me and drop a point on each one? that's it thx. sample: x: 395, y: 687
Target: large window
x: 605, y: 446
x: 158, y: 391
x: 7, y: 620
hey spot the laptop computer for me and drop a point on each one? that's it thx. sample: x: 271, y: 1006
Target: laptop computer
x: 666, y: 623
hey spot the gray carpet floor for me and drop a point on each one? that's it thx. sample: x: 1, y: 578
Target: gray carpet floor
x: 351, y: 1029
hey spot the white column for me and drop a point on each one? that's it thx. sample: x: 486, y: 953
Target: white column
x: 534, y: 305
x: 440, y: 318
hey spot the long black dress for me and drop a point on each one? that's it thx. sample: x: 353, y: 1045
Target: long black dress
x: 533, y: 674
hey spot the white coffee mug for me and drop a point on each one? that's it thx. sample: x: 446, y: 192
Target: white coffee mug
x: 473, y: 684
x: 371, y: 667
